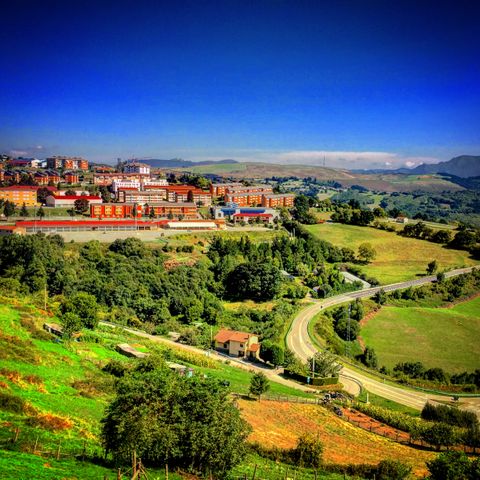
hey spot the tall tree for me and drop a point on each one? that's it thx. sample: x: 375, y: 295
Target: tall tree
x: 259, y: 384
x: 187, y: 423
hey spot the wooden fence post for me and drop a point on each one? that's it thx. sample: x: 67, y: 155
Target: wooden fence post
x: 166, y: 471
x: 254, y: 472
x: 35, y: 445
x: 57, y: 456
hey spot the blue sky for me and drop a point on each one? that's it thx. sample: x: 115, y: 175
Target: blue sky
x: 365, y: 83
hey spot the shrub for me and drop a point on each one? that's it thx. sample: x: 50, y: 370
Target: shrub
x: 11, y: 403
x: 308, y: 452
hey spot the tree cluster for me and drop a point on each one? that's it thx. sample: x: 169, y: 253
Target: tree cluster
x: 165, y: 418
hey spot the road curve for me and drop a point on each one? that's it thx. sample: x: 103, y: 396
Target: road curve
x: 298, y: 340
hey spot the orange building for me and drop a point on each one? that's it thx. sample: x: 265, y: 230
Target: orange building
x: 125, y: 210
x: 279, y: 200
x: 72, y: 177
x: 20, y: 195
x: 219, y: 189
x: 244, y: 199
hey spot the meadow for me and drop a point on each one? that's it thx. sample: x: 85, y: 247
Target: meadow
x: 398, y: 258
x: 437, y: 337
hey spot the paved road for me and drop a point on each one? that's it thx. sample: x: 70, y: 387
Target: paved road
x: 298, y: 340
x: 273, y: 375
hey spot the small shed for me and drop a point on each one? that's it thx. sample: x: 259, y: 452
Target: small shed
x: 129, y: 351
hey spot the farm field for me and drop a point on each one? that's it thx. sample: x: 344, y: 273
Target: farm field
x: 280, y: 424
x: 398, y: 258
x: 448, y: 336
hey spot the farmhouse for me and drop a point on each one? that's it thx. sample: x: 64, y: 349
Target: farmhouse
x: 238, y: 344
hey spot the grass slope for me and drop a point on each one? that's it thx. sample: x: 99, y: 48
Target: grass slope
x: 66, y: 392
x: 398, y: 258
x: 437, y: 337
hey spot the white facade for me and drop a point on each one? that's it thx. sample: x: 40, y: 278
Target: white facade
x: 137, y: 168
x: 161, y: 182
x: 116, y: 184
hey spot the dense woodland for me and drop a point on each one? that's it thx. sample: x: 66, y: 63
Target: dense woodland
x: 127, y: 282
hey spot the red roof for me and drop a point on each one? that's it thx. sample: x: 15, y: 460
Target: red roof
x: 84, y: 223
x: 76, y: 197
x: 254, y: 347
x: 224, y: 336
x: 267, y: 215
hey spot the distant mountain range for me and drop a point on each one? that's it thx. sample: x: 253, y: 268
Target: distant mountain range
x: 464, y: 166
x: 180, y: 163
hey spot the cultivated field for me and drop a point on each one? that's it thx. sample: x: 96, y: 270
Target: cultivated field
x: 278, y: 424
x: 448, y: 336
x: 398, y: 258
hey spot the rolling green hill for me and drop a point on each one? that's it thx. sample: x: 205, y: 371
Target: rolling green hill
x: 448, y: 336
x: 398, y: 258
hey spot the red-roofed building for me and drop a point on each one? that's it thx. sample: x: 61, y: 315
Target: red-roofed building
x: 21, y: 194
x: 238, y: 344
x: 251, y: 217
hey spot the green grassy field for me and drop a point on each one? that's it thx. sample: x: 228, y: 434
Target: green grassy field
x: 437, y: 337
x: 66, y: 393
x: 398, y: 258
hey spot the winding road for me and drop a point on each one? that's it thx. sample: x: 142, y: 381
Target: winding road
x: 298, y: 340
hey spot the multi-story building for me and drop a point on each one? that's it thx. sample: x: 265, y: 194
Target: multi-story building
x: 161, y: 209
x: 152, y: 184
x: 127, y: 184
x: 107, y: 179
x: 44, y: 178
x: 264, y: 189
x: 219, y: 189
x: 72, y: 178
x: 244, y: 199
x: 67, y: 163
x: 20, y: 195
x: 237, y: 214
x: 279, y: 200
x: 136, y: 167
x: 187, y: 193
x: 127, y: 195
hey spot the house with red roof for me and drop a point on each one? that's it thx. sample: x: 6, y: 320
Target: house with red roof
x: 237, y: 344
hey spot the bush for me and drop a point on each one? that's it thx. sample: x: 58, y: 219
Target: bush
x: 308, y: 452
x: 116, y: 368
x: 11, y: 403
x: 450, y: 415
x: 392, y: 470
x: 451, y: 466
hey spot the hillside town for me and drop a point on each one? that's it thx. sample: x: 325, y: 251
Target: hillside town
x: 129, y: 197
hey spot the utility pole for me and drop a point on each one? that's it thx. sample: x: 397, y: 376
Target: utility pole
x: 347, y: 345
x: 45, y: 297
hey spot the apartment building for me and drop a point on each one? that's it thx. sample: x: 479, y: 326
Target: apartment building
x: 278, y: 200
x: 20, y: 195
